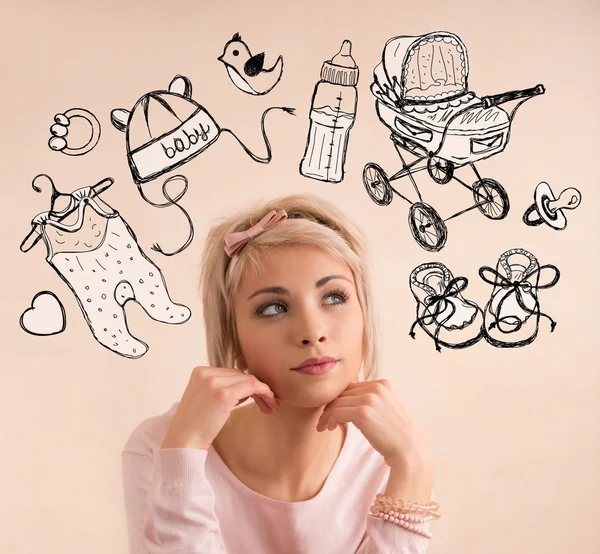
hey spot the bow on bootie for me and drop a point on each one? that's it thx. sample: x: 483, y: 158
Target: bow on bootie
x: 235, y: 241
x: 516, y: 300
x: 441, y: 305
x: 441, y: 308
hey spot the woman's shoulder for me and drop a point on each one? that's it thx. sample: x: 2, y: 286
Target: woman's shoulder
x: 149, y: 434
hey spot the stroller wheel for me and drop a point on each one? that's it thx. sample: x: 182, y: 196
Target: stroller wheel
x: 440, y: 170
x: 427, y: 227
x: 491, y: 198
x: 377, y: 184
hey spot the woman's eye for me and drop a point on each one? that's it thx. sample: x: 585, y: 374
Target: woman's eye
x: 339, y: 297
x: 274, y: 307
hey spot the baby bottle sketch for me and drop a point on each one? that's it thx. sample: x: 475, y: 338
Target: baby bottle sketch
x: 332, y: 114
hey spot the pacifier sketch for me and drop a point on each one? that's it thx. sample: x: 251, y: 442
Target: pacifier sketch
x: 549, y: 209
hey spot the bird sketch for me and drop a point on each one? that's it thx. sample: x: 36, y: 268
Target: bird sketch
x: 247, y: 72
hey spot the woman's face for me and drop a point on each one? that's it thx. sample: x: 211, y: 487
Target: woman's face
x: 303, y: 303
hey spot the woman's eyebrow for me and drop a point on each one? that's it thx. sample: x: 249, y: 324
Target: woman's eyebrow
x: 282, y: 290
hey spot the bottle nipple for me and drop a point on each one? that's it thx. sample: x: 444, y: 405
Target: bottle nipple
x: 344, y: 57
x: 341, y: 69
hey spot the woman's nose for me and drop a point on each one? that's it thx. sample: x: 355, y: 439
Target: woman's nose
x: 311, y: 329
x: 307, y: 341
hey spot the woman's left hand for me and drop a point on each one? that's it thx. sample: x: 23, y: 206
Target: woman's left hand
x: 374, y: 409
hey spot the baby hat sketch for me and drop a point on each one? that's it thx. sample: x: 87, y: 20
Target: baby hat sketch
x: 96, y: 254
x: 165, y: 129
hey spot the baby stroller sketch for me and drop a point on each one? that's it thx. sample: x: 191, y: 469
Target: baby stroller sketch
x: 422, y: 96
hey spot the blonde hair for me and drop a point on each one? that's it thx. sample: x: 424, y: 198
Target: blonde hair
x: 312, y: 221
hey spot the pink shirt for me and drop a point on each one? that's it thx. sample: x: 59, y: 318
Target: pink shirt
x: 186, y: 500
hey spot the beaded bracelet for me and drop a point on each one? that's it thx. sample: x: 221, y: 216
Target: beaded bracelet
x: 405, y: 513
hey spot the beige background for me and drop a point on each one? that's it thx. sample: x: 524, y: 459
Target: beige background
x: 515, y: 431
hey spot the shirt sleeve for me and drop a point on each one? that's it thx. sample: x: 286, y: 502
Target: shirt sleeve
x: 169, y: 503
x: 383, y: 537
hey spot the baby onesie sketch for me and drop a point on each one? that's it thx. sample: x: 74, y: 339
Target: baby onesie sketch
x: 423, y: 98
x: 550, y: 210
x: 512, y: 314
x: 442, y: 307
x: 96, y: 254
x: 247, y: 72
x: 60, y: 131
x: 46, y: 316
x: 167, y: 128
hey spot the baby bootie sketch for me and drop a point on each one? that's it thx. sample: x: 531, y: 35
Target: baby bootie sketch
x: 441, y: 306
x: 512, y: 314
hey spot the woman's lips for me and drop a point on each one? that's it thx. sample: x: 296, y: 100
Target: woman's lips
x: 316, y: 369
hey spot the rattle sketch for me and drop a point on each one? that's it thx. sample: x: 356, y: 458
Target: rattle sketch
x: 442, y: 307
x: 96, y: 254
x: 247, y: 72
x: 512, y: 314
x: 551, y: 210
x: 46, y: 316
x: 167, y: 128
x: 422, y: 97
x: 60, y: 131
x: 332, y: 114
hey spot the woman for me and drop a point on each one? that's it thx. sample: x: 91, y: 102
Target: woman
x: 289, y: 322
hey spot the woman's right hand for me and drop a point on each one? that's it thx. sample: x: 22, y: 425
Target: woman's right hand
x: 208, y: 400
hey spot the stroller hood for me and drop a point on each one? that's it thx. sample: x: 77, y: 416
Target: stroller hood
x: 426, y: 68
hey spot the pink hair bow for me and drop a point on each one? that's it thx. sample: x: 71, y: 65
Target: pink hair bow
x: 234, y: 241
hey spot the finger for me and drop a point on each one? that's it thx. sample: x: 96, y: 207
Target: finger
x: 269, y: 400
x: 262, y: 404
x: 358, y: 384
x: 340, y: 403
x: 370, y: 384
x: 340, y: 415
x: 244, y: 387
x: 242, y: 400
x: 262, y: 400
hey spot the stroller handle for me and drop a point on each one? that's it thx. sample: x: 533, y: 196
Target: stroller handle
x: 495, y: 99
